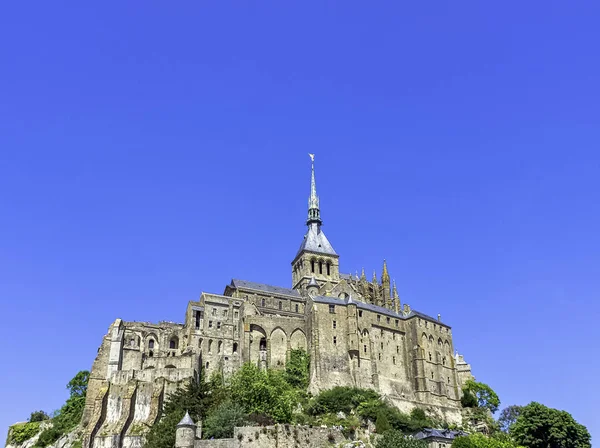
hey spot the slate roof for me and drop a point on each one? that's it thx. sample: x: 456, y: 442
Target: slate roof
x: 374, y: 308
x: 316, y: 241
x: 448, y: 434
x: 186, y: 421
x: 243, y: 284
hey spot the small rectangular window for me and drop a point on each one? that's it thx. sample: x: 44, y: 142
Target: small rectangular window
x: 236, y: 314
x: 225, y: 314
x: 365, y: 348
x: 381, y: 346
x: 280, y: 305
x: 332, y: 309
x: 396, y: 323
x: 334, y: 340
x: 214, y: 311
x: 297, y: 308
x: 379, y: 356
x: 387, y: 320
x: 394, y: 359
x: 210, y: 324
x: 378, y: 318
x: 334, y: 324
x: 218, y: 325
x: 398, y: 349
x: 359, y: 313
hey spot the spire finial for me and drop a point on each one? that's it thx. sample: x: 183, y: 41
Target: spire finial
x: 385, y: 276
x: 314, y: 214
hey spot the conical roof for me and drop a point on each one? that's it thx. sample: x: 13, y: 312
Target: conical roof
x: 186, y: 420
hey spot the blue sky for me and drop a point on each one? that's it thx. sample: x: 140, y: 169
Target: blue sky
x: 149, y: 152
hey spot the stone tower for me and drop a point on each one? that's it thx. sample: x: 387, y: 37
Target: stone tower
x: 185, y: 435
x: 316, y: 257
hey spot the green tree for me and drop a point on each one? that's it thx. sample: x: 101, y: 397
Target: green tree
x: 486, y: 397
x: 538, y: 426
x: 481, y: 441
x: 197, y: 398
x: 395, y: 439
x: 297, y: 369
x: 382, y: 424
x: 221, y: 421
x: 78, y: 384
x: 264, y: 392
x: 38, y: 416
x: 468, y: 400
x: 69, y: 415
x: 508, y: 416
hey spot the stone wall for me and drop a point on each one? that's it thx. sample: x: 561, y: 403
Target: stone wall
x: 278, y: 436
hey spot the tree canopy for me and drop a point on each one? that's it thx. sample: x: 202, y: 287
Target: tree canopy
x: 508, y: 416
x: 538, y: 426
x: 485, y: 395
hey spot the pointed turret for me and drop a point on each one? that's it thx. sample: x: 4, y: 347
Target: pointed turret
x: 376, y: 292
x: 396, y: 299
x: 385, y: 282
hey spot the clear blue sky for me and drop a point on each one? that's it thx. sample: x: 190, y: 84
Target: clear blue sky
x: 151, y: 151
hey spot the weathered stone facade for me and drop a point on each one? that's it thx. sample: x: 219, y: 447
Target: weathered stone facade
x: 356, y: 331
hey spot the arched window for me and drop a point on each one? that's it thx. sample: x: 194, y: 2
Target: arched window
x: 151, y: 343
x: 280, y: 305
x: 235, y: 346
x: 174, y: 343
x: 219, y: 346
x: 328, y: 269
x: 263, y: 344
x: 200, y: 343
x: 297, y: 308
x: 263, y: 302
x: 209, y: 345
x: 207, y: 364
x: 320, y: 267
x: 151, y: 354
x: 312, y: 266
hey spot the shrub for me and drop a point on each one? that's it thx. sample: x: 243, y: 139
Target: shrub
x: 481, y: 441
x: 221, y: 421
x: 340, y: 399
x: 69, y: 415
x: 382, y: 423
x: 38, y: 416
x: 23, y: 432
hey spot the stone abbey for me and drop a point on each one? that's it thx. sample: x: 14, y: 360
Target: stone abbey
x: 356, y: 331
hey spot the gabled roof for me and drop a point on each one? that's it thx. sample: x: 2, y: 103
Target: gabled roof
x: 316, y: 241
x: 243, y: 284
x: 448, y: 434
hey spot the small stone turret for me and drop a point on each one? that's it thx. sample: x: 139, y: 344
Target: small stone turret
x: 312, y: 288
x: 185, y: 435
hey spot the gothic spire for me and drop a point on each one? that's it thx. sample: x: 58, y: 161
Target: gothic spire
x: 314, y: 213
x: 385, y: 277
x: 396, y: 298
